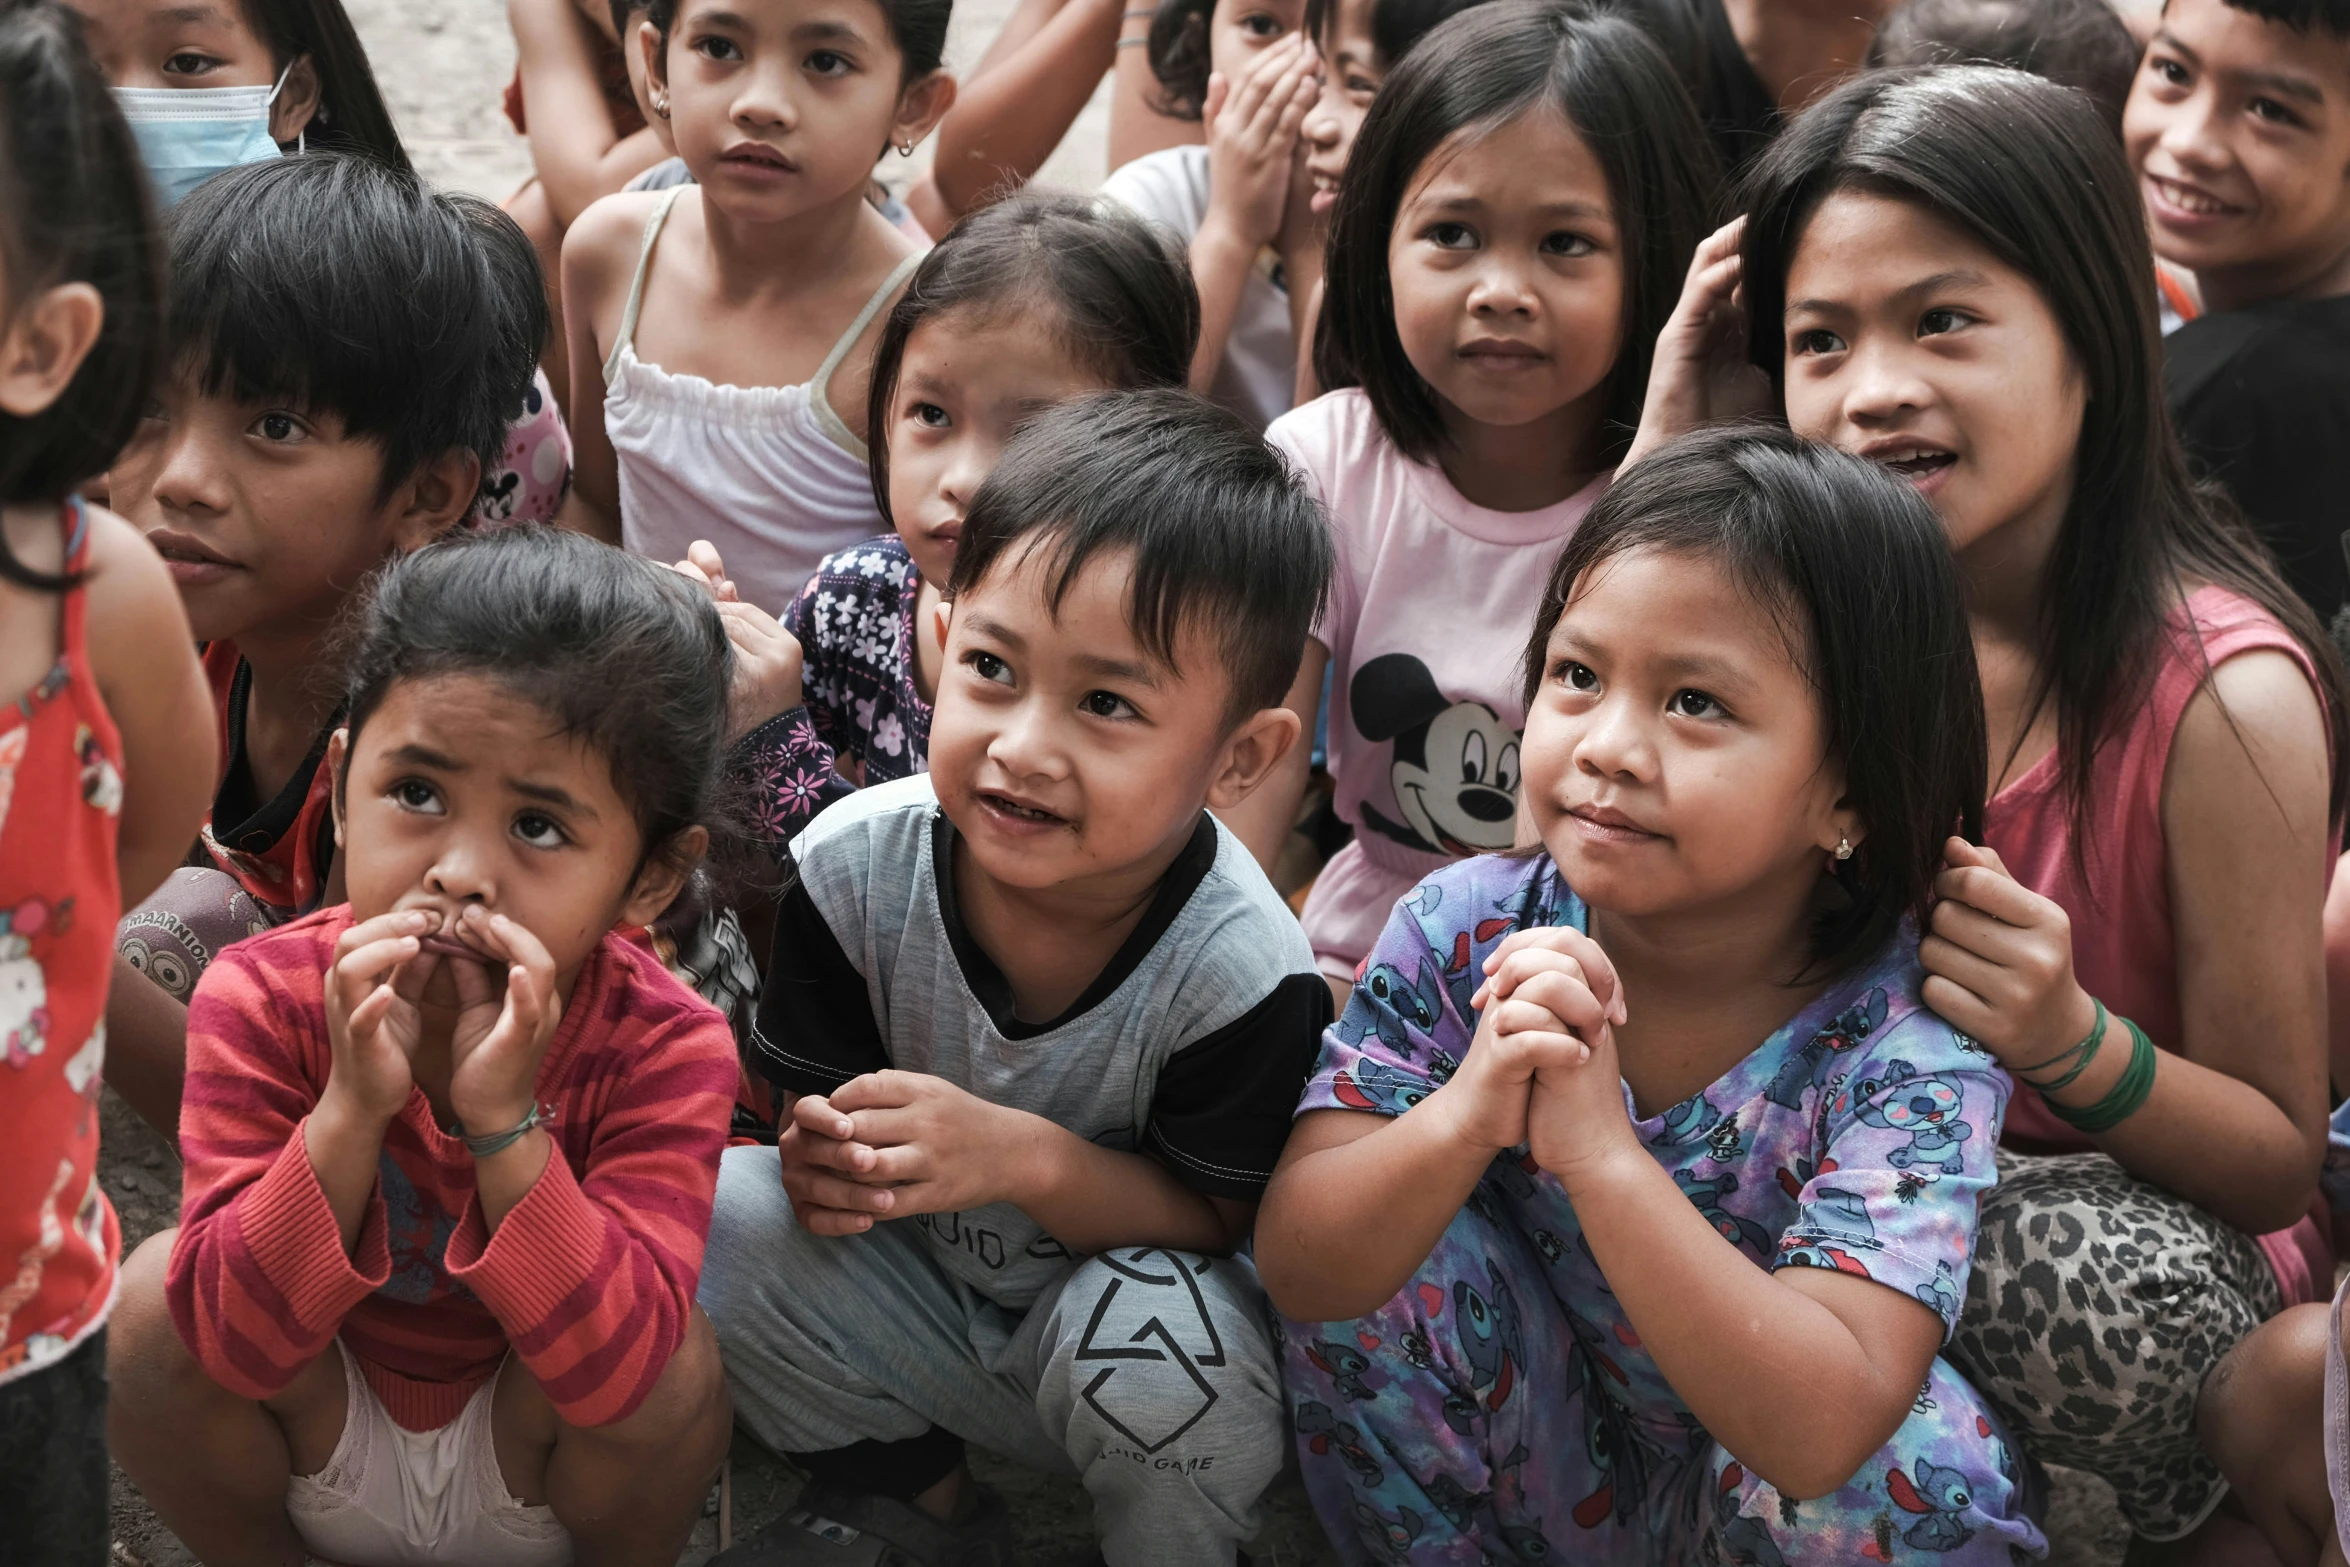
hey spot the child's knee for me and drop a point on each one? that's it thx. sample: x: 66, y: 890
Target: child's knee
x: 146, y: 1360
x: 688, y: 1410
x: 2268, y: 1394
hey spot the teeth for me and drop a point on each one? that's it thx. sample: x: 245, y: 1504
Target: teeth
x: 2188, y: 200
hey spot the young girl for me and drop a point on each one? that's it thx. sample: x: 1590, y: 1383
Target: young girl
x: 104, y: 746
x: 1522, y: 200
x: 1237, y: 202
x: 1948, y: 273
x: 451, y: 1147
x: 1025, y: 303
x: 1626, y: 1285
x: 719, y: 378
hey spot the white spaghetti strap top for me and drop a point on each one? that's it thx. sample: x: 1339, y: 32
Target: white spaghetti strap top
x: 769, y: 474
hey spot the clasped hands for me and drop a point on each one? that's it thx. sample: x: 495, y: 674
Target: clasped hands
x: 892, y: 1144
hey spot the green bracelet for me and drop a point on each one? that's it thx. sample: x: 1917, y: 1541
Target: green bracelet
x: 2079, y: 1055
x: 2125, y: 1098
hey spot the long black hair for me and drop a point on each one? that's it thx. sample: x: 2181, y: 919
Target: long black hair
x: 74, y: 208
x: 2030, y: 170
x: 351, y: 115
x: 1857, y: 571
x: 1482, y: 68
x: 1104, y: 281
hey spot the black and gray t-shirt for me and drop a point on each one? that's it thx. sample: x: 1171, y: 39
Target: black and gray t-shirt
x: 1192, y: 1046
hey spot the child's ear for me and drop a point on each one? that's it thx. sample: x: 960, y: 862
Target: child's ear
x: 648, y: 47
x: 920, y: 107
x: 436, y: 499
x: 1251, y: 752
x: 45, y: 345
x: 338, y: 756
x: 663, y: 877
x: 297, y: 102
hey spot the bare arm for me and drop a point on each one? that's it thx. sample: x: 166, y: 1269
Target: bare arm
x: 599, y: 256
x: 577, y: 151
x: 1015, y: 111
x: 1137, y: 128
x: 1252, y: 148
x: 146, y: 1048
x: 1262, y: 821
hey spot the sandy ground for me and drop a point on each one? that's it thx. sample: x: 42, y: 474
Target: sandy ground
x: 442, y: 64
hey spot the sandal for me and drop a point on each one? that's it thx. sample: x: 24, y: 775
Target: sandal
x: 830, y: 1526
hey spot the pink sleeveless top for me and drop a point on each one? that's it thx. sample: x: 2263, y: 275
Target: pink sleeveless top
x: 2123, y: 941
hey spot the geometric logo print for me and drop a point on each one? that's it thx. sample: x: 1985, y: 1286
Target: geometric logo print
x: 1175, y: 1329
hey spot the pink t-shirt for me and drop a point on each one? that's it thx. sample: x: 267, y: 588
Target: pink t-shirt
x: 2124, y: 946
x: 1429, y: 610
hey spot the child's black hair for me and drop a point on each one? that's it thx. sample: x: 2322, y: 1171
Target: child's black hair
x: 1177, y: 48
x: 1223, y: 537
x: 1104, y: 281
x: 1483, y: 68
x: 2331, y: 17
x: 2029, y: 170
x: 2079, y: 43
x: 74, y: 208
x: 624, y: 12
x: 626, y: 656
x: 917, y: 27
x: 345, y: 286
x: 1396, y: 25
x: 1857, y: 571
x: 351, y: 115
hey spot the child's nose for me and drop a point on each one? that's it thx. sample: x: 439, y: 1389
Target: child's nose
x: 187, y: 478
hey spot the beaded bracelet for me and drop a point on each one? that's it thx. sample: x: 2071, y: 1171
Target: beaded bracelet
x: 499, y: 1142
x: 2079, y: 1055
x: 2125, y: 1098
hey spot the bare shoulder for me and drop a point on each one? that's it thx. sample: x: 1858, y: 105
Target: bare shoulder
x: 131, y: 597
x: 602, y: 241
x: 2256, y: 729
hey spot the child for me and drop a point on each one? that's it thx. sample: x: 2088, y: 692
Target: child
x: 104, y: 734
x: 311, y: 423
x: 1949, y: 274
x: 450, y: 1148
x: 1040, y: 1004
x: 720, y: 394
x: 1654, y: 1292
x: 2239, y: 131
x: 1237, y: 203
x: 1523, y: 197
x: 2080, y: 43
x: 1025, y: 303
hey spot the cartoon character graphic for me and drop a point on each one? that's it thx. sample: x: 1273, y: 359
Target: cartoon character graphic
x: 1940, y: 1498
x: 1940, y: 1291
x: 1325, y: 1433
x: 1688, y: 1121
x: 1455, y: 764
x: 1845, y: 1030
x: 1344, y: 1365
x: 1925, y: 1107
x: 1739, y: 1541
x: 1391, y: 1538
x: 1835, y: 1215
x: 1622, y: 1454
x: 1374, y: 1085
x: 24, y: 987
x: 1386, y: 1004
x: 101, y: 784
x: 1491, y: 1337
x: 1708, y: 1194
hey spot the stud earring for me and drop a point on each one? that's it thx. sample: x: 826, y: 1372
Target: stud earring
x: 1843, y: 847
x: 661, y: 105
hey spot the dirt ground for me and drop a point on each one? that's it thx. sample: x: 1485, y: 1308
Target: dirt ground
x: 442, y: 64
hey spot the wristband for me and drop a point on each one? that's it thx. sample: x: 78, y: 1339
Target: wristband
x: 2125, y: 1098
x: 499, y: 1142
x: 1138, y: 41
x: 2079, y: 1055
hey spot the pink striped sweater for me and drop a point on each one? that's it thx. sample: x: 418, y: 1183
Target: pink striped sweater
x: 589, y: 1279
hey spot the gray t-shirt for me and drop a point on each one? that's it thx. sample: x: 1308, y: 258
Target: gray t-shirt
x: 1192, y: 1046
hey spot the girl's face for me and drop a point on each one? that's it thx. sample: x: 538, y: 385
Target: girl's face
x: 1508, y: 271
x: 1675, y: 753
x: 1240, y: 30
x: 968, y: 380
x: 781, y: 106
x: 1348, y: 84
x: 1909, y: 343
x: 206, y: 43
x: 459, y: 792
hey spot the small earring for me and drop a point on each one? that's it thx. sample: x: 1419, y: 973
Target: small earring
x: 905, y: 149
x: 661, y: 105
x: 1843, y: 847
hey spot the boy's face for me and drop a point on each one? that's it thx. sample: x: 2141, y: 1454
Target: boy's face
x: 1351, y: 76
x: 268, y: 517
x: 1062, y: 750
x: 2239, y: 130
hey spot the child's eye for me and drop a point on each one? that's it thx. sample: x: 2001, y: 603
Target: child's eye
x: 1451, y: 236
x: 1105, y: 704
x: 538, y: 830
x: 1693, y: 704
x: 1818, y: 340
x: 414, y: 794
x: 2170, y: 71
x: 278, y: 427
x: 1259, y: 25
x: 715, y: 48
x: 1576, y: 677
x: 989, y: 667
x: 1566, y: 244
x: 187, y: 62
x: 1363, y: 87
x: 2273, y: 112
x: 1936, y: 322
x: 827, y: 62
x: 929, y: 415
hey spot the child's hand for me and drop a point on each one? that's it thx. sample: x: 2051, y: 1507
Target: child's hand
x: 1999, y: 961
x: 1252, y: 124
x: 372, y: 1024
x: 768, y: 660
x: 507, y: 1011
x: 827, y: 1173
x: 1700, y: 373
x: 941, y: 1148
x: 1545, y: 993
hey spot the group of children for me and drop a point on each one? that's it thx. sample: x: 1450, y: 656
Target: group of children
x: 1380, y: 802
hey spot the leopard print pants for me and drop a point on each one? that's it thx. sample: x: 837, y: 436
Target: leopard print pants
x: 2096, y: 1307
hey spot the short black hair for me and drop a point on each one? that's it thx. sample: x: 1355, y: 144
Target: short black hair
x: 627, y: 656
x: 2303, y: 16
x: 351, y: 113
x: 2076, y: 43
x: 74, y: 207
x: 1484, y: 67
x: 1223, y: 536
x: 1856, y: 567
x: 917, y: 27
x: 349, y: 287
x: 1106, y: 281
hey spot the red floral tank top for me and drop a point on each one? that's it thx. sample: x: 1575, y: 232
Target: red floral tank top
x: 60, y: 803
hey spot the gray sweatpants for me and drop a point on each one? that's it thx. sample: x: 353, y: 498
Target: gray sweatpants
x: 1149, y: 1374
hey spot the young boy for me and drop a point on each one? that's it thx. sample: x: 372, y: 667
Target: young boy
x: 344, y: 352
x: 1041, y: 1004
x: 2239, y: 129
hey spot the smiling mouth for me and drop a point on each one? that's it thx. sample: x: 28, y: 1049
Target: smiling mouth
x: 2187, y: 199
x: 1920, y: 463
x: 1034, y: 816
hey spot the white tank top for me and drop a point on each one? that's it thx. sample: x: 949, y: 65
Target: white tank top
x: 769, y: 474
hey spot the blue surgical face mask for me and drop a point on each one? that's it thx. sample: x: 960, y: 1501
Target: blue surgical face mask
x: 188, y: 134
